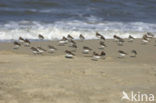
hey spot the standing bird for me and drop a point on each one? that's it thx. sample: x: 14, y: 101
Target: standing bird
x: 150, y: 35
x: 86, y: 50
x: 116, y: 38
x: 35, y: 50
x: 63, y: 41
x: 69, y: 37
x: 69, y: 54
x: 71, y: 42
x: 98, y: 35
x: 103, y: 54
x: 21, y: 40
x: 27, y: 42
x: 82, y: 38
x: 52, y: 49
x: 41, y: 37
x: 131, y: 38
x: 102, y: 45
x: 145, y: 39
x: 122, y: 53
x: 74, y: 46
x: 17, y: 45
x: 102, y: 38
x: 134, y: 53
x: 98, y: 56
x: 41, y: 50
x: 120, y: 41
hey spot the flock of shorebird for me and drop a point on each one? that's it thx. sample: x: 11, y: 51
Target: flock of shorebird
x: 86, y: 50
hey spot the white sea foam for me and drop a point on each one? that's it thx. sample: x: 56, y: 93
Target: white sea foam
x: 31, y: 29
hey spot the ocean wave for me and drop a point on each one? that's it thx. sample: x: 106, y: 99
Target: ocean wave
x: 30, y: 29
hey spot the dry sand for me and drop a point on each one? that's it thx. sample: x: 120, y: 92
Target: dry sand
x: 51, y: 78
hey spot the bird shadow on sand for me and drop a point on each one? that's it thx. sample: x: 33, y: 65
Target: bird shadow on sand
x: 133, y: 56
x: 120, y: 57
x: 94, y: 59
x: 87, y: 56
x: 100, y: 47
x: 69, y: 57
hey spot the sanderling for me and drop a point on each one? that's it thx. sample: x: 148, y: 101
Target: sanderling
x: 35, y: 50
x: 52, y: 49
x: 41, y: 50
x: 145, y: 39
x: 122, y: 53
x: 82, y: 38
x: 102, y: 45
x: 69, y: 37
x: 98, y: 56
x: 120, y: 41
x: 69, y: 54
x: 16, y: 44
x: 21, y: 40
x: 98, y: 35
x: 41, y: 37
x: 63, y: 41
x: 102, y: 38
x: 131, y: 38
x: 86, y: 50
x: 134, y: 53
x: 27, y: 42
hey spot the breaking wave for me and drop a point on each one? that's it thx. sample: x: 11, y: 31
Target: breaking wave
x: 30, y: 29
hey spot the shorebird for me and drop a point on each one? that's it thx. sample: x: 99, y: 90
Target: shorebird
x: 150, y: 35
x: 82, y: 38
x: 41, y: 37
x: 120, y: 41
x: 98, y: 35
x: 98, y: 56
x: 74, y: 46
x: 145, y: 39
x: 102, y: 38
x: 131, y: 38
x: 102, y: 45
x: 21, y: 40
x: 41, y: 50
x: 72, y: 42
x: 27, y: 42
x: 86, y: 50
x: 69, y: 54
x: 52, y: 49
x: 16, y: 44
x: 63, y: 41
x: 35, y: 50
x: 103, y: 54
x: 116, y: 38
x: 134, y: 53
x: 69, y: 37
x: 122, y: 53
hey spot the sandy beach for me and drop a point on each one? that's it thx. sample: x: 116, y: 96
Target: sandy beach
x: 52, y: 78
